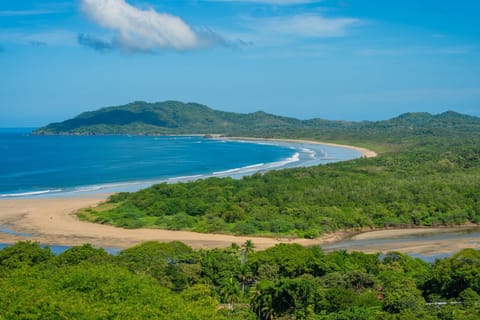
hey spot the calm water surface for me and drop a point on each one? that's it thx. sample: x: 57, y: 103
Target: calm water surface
x: 61, y: 165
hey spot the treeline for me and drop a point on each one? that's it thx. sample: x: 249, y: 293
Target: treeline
x: 425, y: 180
x: 172, y: 281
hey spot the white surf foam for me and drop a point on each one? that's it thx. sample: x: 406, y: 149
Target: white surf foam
x: 27, y: 194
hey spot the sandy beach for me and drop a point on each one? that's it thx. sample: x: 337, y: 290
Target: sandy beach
x: 52, y: 221
x: 365, y: 152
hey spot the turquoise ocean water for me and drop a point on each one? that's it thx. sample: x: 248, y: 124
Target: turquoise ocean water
x: 39, y: 166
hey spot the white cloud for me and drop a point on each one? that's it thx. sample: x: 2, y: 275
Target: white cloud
x: 303, y: 25
x: 141, y: 30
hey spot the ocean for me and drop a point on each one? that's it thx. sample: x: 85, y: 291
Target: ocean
x: 45, y: 166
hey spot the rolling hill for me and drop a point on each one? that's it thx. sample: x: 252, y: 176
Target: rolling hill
x: 173, y: 117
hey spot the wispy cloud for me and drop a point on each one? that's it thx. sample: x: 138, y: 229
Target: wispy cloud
x: 303, y: 25
x: 95, y: 43
x: 48, y: 37
x: 139, y: 30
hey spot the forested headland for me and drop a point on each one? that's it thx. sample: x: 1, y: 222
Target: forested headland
x: 172, y: 281
x: 427, y: 174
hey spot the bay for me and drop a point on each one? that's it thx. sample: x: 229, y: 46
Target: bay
x: 39, y: 166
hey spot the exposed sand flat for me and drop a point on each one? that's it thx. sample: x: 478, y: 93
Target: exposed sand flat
x: 391, y: 233
x: 425, y: 248
x: 52, y: 221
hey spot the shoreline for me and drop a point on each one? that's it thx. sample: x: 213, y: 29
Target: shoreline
x: 366, y: 153
x: 300, y: 159
x: 53, y: 222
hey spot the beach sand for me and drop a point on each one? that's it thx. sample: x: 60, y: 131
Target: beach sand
x: 365, y: 152
x: 425, y: 241
x: 52, y: 221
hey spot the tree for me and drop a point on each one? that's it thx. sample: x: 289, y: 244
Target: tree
x: 247, y: 247
x: 24, y: 254
x: 402, y: 296
x: 230, y: 292
x: 75, y: 255
x: 262, y: 300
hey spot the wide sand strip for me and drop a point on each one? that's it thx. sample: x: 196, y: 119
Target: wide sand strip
x: 52, y: 221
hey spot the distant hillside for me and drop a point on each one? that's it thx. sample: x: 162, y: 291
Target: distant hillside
x: 173, y: 117
x: 169, y: 117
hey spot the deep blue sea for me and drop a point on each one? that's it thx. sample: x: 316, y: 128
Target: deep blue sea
x: 37, y: 166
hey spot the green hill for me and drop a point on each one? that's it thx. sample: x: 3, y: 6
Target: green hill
x: 173, y: 117
x: 169, y: 117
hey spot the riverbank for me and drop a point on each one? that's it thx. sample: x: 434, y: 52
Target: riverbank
x: 53, y: 221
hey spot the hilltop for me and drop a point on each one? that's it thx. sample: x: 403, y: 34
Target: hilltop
x: 173, y: 117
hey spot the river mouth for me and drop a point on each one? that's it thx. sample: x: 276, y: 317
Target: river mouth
x: 426, y: 243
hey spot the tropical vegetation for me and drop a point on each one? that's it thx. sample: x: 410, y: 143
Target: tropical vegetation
x: 427, y: 173
x: 172, y: 281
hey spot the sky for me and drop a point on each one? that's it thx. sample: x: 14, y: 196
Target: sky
x: 331, y: 59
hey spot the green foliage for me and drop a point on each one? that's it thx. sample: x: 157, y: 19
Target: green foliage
x: 450, y: 277
x: 24, y: 254
x: 173, y: 264
x: 148, y: 282
x: 76, y: 255
x: 435, y: 181
x: 402, y: 296
x: 428, y: 173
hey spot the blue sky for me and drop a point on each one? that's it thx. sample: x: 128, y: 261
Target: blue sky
x: 347, y: 59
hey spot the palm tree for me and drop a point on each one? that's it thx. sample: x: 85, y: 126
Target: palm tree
x: 247, y: 248
x: 230, y: 292
x: 262, y: 303
x: 244, y: 275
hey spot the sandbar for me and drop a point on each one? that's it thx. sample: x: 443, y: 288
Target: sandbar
x: 53, y: 221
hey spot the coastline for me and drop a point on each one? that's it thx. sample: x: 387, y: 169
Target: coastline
x: 52, y: 221
x: 366, y: 153
x: 304, y: 154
